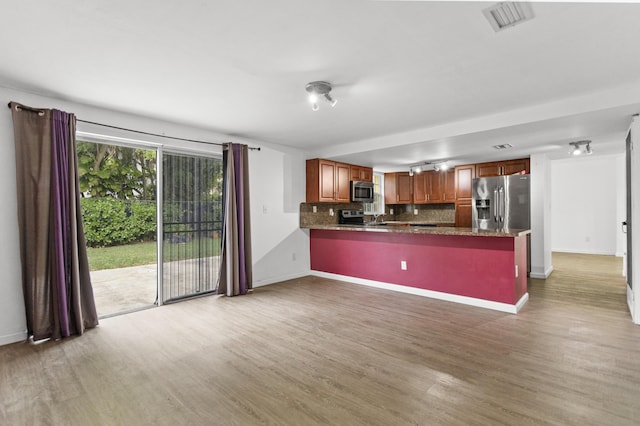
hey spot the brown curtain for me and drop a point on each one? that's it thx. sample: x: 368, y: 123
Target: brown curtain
x: 55, y: 271
x: 236, y: 276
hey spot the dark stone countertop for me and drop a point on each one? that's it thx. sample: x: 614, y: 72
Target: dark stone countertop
x: 440, y: 230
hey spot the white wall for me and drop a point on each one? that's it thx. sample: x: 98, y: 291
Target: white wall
x: 541, y: 262
x: 280, y: 248
x: 585, y: 204
x: 633, y: 296
x: 277, y: 183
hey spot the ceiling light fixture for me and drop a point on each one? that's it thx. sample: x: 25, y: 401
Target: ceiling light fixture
x: 317, y: 89
x: 577, y: 147
x: 440, y: 165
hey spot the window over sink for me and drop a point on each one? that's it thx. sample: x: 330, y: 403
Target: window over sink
x: 377, y: 207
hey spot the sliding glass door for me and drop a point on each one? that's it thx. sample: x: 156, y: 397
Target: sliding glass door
x: 191, y: 225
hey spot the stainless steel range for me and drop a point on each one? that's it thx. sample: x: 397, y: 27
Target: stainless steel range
x: 351, y: 217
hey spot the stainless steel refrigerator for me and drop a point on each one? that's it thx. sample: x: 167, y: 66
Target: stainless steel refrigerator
x: 501, y: 202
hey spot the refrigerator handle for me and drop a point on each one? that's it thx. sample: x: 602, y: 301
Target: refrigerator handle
x: 495, y: 205
x: 502, y: 205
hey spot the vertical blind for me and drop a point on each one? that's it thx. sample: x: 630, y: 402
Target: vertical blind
x: 192, y: 225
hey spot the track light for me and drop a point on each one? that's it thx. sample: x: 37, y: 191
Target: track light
x: 577, y: 147
x: 329, y: 99
x: 437, y: 166
x: 317, y: 89
x: 440, y: 166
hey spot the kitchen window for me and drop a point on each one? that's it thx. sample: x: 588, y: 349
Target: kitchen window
x: 377, y: 207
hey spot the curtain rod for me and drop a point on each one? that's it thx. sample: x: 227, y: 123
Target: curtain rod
x: 131, y: 130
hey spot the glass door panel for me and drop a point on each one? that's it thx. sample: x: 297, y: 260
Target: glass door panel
x: 192, y: 225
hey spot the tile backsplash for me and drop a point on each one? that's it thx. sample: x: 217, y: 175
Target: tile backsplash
x: 435, y: 213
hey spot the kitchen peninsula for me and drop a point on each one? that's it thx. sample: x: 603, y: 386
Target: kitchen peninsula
x: 464, y: 265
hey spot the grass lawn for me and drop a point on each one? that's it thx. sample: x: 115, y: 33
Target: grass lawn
x: 122, y: 256
x: 145, y: 253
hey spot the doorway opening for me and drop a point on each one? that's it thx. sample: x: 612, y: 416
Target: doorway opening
x: 118, y: 185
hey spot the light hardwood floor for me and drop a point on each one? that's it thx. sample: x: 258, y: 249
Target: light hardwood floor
x: 315, y: 351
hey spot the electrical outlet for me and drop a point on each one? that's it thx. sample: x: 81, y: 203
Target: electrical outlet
x: 403, y: 265
x: 415, y: 212
x: 330, y: 212
x: 315, y: 209
x: 390, y: 211
x: 293, y: 257
x: 264, y: 209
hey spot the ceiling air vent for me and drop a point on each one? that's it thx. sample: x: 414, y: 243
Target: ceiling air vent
x: 503, y: 146
x: 507, y: 14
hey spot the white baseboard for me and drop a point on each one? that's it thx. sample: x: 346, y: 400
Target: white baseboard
x: 542, y: 275
x: 472, y: 301
x: 279, y: 279
x: 13, y: 338
x: 601, y: 253
x: 630, y: 304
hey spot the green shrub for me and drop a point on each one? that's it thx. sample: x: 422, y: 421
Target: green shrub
x: 111, y: 222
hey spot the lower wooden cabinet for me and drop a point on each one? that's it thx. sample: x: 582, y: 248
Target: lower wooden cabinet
x: 464, y: 214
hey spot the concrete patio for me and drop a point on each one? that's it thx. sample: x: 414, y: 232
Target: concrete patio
x: 132, y: 288
x: 124, y: 289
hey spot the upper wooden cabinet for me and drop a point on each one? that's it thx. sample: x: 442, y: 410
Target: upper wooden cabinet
x: 398, y: 188
x: 327, y: 181
x: 450, y: 186
x: 502, y: 168
x: 434, y: 187
x: 464, y: 176
x: 361, y: 173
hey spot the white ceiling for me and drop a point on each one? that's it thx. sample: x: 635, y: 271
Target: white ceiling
x: 415, y: 80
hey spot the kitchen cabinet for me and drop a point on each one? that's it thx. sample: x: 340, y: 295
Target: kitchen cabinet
x: 434, y: 187
x: 361, y: 173
x: 449, y: 186
x: 327, y: 181
x: 464, y: 214
x: 420, y: 189
x: 398, y: 188
x: 464, y: 176
x: 502, y: 168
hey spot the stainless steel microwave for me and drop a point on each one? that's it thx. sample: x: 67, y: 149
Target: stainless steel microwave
x: 361, y: 192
